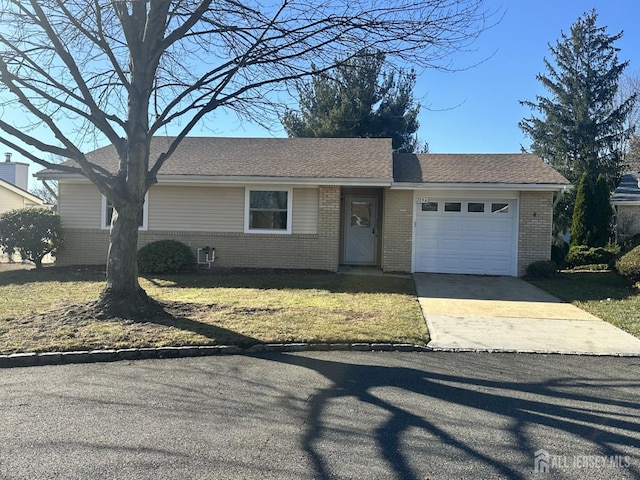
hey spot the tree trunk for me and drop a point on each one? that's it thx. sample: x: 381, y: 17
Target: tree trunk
x: 123, y: 296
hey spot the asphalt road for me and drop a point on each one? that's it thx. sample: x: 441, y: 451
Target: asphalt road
x: 342, y: 415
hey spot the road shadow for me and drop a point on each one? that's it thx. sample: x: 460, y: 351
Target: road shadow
x: 548, y: 403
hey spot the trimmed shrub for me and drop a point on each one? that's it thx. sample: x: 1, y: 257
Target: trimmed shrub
x: 559, y: 252
x: 32, y: 232
x: 593, y: 267
x: 631, y: 242
x: 166, y: 256
x: 542, y: 269
x: 584, y: 255
x: 628, y: 265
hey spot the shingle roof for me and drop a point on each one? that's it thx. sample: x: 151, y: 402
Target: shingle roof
x: 509, y: 168
x: 628, y: 190
x: 351, y: 159
x: 348, y: 158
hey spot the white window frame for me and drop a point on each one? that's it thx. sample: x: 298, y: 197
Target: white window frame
x: 145, y: 214
x: 247, y: 198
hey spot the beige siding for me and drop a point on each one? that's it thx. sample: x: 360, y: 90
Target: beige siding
x: 397, y: 230
x: 534, y: 229
x: 79, y: 205
x: 627, y: 221
x: 305, y: 210
x: 196, y: 209
x: 233, y: 249
x: 10, y: 200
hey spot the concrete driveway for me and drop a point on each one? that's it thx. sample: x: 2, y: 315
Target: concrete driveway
x: 478, y: 313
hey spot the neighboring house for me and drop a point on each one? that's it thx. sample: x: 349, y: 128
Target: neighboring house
x: 626, y: 203
x: 314, y: 203
x: 12, y: 197
x: 14, y: 179
x: 13, y: 194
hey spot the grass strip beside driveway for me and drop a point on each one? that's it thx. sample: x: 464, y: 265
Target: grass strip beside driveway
x: 210, y: 308
x: 603, y: 294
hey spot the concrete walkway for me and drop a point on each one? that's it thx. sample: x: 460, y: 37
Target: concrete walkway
x: 477, y: 313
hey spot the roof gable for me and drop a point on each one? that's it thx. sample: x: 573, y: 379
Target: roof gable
x: 19, y: 191
x: 501, y: 168
x: 628, y: 190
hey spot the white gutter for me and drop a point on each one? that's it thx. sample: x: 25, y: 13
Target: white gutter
x: 625, y: 202
x: 236, y: 180
x: 480, y: 186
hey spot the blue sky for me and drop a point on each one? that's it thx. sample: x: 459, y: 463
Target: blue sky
x: 477, y: 110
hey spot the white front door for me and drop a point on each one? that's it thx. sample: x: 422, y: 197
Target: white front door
x: 361, y: 220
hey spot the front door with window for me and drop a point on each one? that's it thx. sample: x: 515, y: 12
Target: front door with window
x: 360, y: 230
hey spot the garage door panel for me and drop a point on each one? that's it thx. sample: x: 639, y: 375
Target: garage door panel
x: 461, y: 242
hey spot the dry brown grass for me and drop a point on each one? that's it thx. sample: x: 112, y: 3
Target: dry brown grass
x: 43, y: 311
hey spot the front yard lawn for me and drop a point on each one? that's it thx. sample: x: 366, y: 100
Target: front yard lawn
x: 604, y: 294
x: 232, y: 308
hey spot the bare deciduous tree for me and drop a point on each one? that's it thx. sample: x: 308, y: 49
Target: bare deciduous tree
x: 124, y: 70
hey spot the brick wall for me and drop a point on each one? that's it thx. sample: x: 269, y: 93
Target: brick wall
x: 307, y: 251
x: 535, y: 228
x: 397, y: 230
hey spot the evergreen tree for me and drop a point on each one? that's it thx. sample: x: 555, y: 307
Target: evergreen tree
x: 601, y: 213
x: 580, y: 234
x: 591, y: 222
x: 581, y: 124
x: 359, y: 99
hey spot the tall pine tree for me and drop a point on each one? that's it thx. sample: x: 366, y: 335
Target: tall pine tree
x: 358, y: 99
x: 580, y: 126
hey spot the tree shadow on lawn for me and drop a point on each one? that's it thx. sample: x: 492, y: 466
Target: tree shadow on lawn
x: 280, y: 279
x: 569, y: 407
x: 50, y: 273
x: 585, y: 286
x: 286, y: 280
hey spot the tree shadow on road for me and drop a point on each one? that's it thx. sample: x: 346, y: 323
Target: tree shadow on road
x: 582, y: 408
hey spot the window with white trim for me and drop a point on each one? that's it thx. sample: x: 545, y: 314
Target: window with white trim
x: 107, y: 213
x: 268, y: 210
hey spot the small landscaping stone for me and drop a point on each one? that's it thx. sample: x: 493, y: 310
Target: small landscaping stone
x: 49, y: 358
x: 319, y: 346
x: 384, y: 347
x: 146, y: 353
x: 230, y: 349
x: 403, y: 347
x: 274, y: 347
x: 298, y: 347
x: 76, y: 357
x: 361, y: 347
x: 339, y: 346
x: 188, y: 351
x: 128, y: 353
x: 23, y: 359
x: 103, y: 355
x: 169, y: 352
x: 259, y: 348
x: 208, y: 350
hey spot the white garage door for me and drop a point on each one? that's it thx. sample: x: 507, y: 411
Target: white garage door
x: 466, y: 236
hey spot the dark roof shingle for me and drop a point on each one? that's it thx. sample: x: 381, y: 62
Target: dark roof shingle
x: 349, y: 158
x: 499, y: 168
x: 628, y: 190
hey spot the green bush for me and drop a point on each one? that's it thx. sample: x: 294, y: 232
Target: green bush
x: 593, y: 267
x: 166, y: 256
x: 32, y: 232
x: 628, y: 265
x: 559, y: 252
x: 584, y: 255
x: 542, y: 269
x: 631, y: 242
